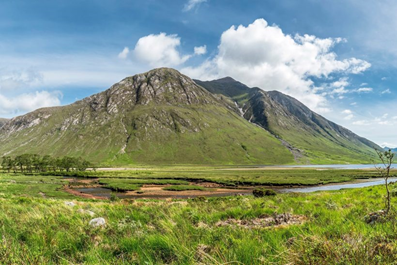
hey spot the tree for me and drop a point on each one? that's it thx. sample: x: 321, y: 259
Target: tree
x: 7, y: 163
x: 386, y: 158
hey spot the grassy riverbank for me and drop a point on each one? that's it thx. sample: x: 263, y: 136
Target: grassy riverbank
x: 39, y: 225
x: 47, y: 231
x: 231, y: 176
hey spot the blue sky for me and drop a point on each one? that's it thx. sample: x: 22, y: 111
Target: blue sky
x: 337, y: 56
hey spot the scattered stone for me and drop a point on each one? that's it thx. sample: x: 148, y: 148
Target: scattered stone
x: 71, y: 204
x: 277, y: 220
x: 13, y: 181
x: 42, y: 194
x: 375, y: 217
x: 82, y: 211
x: 97, y: 222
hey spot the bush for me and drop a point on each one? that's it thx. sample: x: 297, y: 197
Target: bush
x: 261, y: 192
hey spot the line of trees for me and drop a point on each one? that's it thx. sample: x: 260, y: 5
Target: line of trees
x: 29, y: 163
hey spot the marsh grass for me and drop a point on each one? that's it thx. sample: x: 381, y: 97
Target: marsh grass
x: 37, y: 230
x: 183, y: 187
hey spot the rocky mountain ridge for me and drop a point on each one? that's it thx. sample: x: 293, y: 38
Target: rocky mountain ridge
x: 158, y: 117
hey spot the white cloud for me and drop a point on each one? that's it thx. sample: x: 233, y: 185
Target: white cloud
x: 349, y: 114
x: 389, y: 145
x: 384, y: 78
x: 263, y: 56
x: 353, y: 104
x: 387, y: 91
x: 11, y: 79
x: 192, y: 4
x: 29, y: 101
x: 159, y: 50
x: 124, y: 53
x: 362, y: 122
x: 200, y: 50
x: 364, y: 90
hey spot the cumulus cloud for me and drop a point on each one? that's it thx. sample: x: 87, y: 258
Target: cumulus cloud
x: 124, y: 53
x: 200, y: 50
x: 28, y: 102
x: 262, y: 55
x: 159, y: 50
x: 364, y: 89
x: 192, y: 4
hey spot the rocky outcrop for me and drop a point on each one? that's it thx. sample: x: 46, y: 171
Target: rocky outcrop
x: 160, y: 116
x: 2, y: 122
x: 308, y: 135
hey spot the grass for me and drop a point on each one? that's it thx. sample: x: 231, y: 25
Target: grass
x: 183, y: 187
x: 135, y: 184
x: 37, y: 230
x: 231, y: 176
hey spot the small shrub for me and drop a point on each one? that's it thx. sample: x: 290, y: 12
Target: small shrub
x: 113, y: 197
x: 261, y: 192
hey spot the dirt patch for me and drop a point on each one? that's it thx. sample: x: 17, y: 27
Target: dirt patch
x: 156, y: 191
x: 82, y: 195
x: 276, y: 221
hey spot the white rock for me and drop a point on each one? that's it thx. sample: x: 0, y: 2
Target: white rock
x: 71, y: 204
x: 96, y: 222
x: 82, y: 211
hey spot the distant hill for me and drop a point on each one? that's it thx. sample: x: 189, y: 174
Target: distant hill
x: 309, y: 136
x: 394, y: 150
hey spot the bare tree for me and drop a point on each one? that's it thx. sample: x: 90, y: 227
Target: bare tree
x: 386, y: 158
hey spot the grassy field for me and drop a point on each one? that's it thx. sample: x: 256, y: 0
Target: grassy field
x: 47, y: 231
x: 183, y: 187
x: 240, y: 176
x: 40, y: 226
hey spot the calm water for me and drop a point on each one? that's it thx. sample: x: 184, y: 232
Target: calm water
x: 356, y: 184
x: 336, y: 166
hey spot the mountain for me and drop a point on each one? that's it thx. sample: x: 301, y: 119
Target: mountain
x: 158, y: 117
x: 309, y: 136
x: 2, y: 122
x: 394, y: 150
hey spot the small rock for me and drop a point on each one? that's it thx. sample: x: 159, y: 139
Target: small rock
x: 13, y: 181
x: 96, y: 222
x: 90, y: 213
x: 375, y: 217
x: 82, y: 211
x: 71, y: 204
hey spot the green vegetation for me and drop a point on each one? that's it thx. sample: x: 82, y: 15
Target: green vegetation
x: 261, y: 192
x: 232, y: 176
x: 43, y: 229
x: 30, y: 163
x: 135, y: 184
x: 183, y: 187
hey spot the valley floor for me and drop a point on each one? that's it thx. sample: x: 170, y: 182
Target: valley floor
x: 43, y: 224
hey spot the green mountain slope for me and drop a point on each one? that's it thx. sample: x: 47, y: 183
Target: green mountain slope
x: 309, y: 136
x: 159, y: 117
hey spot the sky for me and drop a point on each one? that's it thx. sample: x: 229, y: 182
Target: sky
x: 339, y: 57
